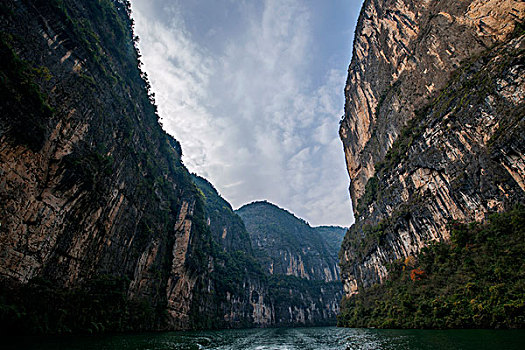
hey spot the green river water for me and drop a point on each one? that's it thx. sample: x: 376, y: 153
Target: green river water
x: 327, y: 338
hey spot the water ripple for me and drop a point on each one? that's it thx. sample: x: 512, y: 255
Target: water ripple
x: 329, y: 338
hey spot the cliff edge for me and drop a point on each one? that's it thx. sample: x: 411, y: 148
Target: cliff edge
x: 433, y: 129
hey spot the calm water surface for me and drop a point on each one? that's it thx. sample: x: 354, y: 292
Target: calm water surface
x: 329, y: 338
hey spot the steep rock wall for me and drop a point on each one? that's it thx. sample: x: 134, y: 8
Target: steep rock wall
x: 93, y: 192
x: 90, y: 184
x: 227, y: 227
x: 287, y: 245
x: 433, y: 126
x: 404, y: 51
x: 253, y: 295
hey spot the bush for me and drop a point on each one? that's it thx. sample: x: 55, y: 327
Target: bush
x: 474, y: 281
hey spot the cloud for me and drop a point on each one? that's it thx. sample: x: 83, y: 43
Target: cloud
x: 240, y: 98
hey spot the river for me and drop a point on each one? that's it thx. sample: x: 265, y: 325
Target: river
x: 327, y: 338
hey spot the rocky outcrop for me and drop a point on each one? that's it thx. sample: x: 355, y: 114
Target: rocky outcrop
x: 90, y: 184
x: 96, y: 208
x: 287, y: 245
x: 227, y: 228
x: 333, y: 236
x: 300, y: 262
x: 433, y: 126
x: 404, y: 51
x: 255, y: 295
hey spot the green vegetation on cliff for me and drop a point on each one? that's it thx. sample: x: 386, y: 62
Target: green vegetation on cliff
x: 286, y: 244
x: 97, y: 306
x: 226, y: 226
x: 22, y: 95
x: 475, y: 281
x: 457, y: 157
x: 238, y: 272
x: 333, y: 236
x: 70, y: 75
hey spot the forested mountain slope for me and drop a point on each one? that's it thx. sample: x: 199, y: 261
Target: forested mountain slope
x: 285, y: 244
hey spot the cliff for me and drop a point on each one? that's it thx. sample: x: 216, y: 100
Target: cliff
x: 433, y: 130
x: 101, y: 226
x: 287, y: 245
x: 333, y: 236
x: 92, y: 189
x: 301, y: 262
x: 260, y: 298
x: 475, y: 280
x: 226, y: 226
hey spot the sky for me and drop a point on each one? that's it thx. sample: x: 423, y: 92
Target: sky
x: 254, y: 91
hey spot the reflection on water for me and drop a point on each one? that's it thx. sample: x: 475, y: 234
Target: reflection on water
x: 329, y: 338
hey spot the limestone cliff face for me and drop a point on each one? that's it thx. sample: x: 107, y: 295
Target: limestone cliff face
x: 287, y: 245
x: 93, y: 192
x: 227, y: 228
x: 254, y: 296
x: 300, y: 261
x: 433, y: 125
x: 404, y: 51
x: 90, y: 185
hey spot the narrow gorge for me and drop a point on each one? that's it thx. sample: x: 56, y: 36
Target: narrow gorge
x: 102, y: 227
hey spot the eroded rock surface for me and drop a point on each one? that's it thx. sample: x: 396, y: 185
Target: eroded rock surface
x: 287, y: 245
x: 433, y: 125
x: 92, y: 190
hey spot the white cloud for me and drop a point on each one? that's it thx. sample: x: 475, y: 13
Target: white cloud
x: 246, y: 112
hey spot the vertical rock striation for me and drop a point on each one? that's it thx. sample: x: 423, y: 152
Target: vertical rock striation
x: 254, y: 295
x: 287, y: 245
x: 301, y: 262
x: 90, y: 184
x: 433, y: 125
x: 97, y: 211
